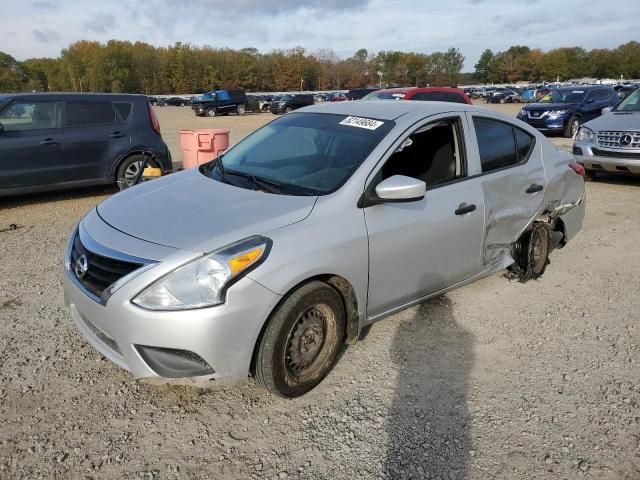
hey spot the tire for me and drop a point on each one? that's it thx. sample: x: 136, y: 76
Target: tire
x: 127, y: 170
x: 572, y: 127
x: 211, y: 112
x: 183, y: 104
x: 240, y: 110
x: 302, y: 341
x: 288, y: 110
x: 502, y: 100
x: 589, y: 175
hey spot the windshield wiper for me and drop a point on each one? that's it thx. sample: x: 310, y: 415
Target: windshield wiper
x: 270, y: 185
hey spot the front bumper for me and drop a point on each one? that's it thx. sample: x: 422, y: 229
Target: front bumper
x: 547, y: 124
x: 223, y: 337
x: 601, y: 159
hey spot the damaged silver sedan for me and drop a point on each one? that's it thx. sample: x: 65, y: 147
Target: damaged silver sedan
x: 267, y: 261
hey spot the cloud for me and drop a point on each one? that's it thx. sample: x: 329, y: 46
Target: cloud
x: 45, y: 36
x: 42, y: 5
x: 100, y: 23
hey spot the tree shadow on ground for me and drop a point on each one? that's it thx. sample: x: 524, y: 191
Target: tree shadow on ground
x: 429, y: 425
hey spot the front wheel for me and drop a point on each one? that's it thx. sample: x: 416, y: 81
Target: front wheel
x: 211, y: 112
x: 287, y: 110
x: 589, y: 175
x: 302, y: 341
x: 240, y: 110
x: 572, y: 127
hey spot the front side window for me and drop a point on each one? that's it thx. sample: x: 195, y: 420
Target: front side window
x: 308, y: 153
x: 433, y: 154
x: 84, y: 114
x: 29, y: 115
x: 501, y: 144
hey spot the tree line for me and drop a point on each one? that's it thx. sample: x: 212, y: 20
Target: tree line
x: 522, y: 63
x: 122, y: 66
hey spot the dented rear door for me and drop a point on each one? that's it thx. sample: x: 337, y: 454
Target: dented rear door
x: 513, y: 183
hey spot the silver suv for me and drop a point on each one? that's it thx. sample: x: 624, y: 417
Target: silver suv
x: 611, y: 143
x: 268, y: 260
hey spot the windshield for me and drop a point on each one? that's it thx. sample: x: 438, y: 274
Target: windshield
x: 301, y: 153
x: 564, y: 95
x: 385, y: 96
x: 285, y: 98
x: 631, y: 102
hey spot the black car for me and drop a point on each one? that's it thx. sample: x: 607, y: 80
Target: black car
x: 177, y: 101
x: 287, y: 103
x: 220, y: 102
x: 358, y: 93
x: 158, y: 102
x: 563, y: 110
x: 51, y: 141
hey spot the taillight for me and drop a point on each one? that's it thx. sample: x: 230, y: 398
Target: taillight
x: 576, y: 167
x: 154, y: 120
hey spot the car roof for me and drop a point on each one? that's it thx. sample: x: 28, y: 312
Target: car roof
x: 387, y: 110
x: 420, y: 89
x: 70, y: 96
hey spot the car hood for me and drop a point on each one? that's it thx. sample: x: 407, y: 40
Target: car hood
x: 616, y: 121
x: 190, y: 211
x: 550, y: 106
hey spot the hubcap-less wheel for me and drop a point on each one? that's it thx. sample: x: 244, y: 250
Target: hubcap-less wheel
x: 211, y: 112
x: 302, y: 340
x: 129, y: 170
x: 306, y: 339
x: 240, y: 110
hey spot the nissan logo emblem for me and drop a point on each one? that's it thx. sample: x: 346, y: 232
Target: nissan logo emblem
x: 81, y: 267
x: 626, y: 140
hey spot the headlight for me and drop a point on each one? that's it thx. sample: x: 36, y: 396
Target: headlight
x: 557, y: 113
x: 523, y: 113
x: 202, y: 282
x: 585, y: 134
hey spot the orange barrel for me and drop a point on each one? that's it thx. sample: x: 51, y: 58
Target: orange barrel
x: 202, y: 145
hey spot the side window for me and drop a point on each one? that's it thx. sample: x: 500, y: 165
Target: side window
x: 432, y: 154
x: 84, y: 114
x: 524, y: 144
x: 28, y: 115
x: 435, y: 96
x: 455, y: 97
x: 496, y: 144
x: 124, y: 110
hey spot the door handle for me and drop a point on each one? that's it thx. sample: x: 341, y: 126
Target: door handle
x: 464, y: 208
x: 49, y: 141
x: 534, y: 188
x: 117, y: 135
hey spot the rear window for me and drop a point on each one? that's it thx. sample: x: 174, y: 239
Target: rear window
x: 84, y: 114
x: 385, y: 96
x: 455, y: 98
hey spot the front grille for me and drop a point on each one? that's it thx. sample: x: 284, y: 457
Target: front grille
x: 101, y: 272
x: 618, y: 154
x: 616, y: 139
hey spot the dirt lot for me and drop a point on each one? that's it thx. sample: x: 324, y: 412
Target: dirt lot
x: 495, y: 380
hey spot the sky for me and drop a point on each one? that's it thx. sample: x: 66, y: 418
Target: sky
x: 42, y: 28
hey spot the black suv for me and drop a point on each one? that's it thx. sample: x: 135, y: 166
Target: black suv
x: 220, y: 102
x: 291, y: 102
x: 52, y: 141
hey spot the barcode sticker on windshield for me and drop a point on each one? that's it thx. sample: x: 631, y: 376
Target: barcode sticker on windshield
x: 360, y: 122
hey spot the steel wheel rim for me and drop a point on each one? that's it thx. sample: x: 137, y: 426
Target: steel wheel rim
x: 305, y: 349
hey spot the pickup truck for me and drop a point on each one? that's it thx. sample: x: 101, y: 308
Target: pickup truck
x: 220, y: 102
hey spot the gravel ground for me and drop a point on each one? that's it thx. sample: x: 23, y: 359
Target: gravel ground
x: 495, y: 380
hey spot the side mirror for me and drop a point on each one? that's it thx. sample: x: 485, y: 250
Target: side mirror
x: 399, y: 188
x: 606, y: 110
x: 589, y: 100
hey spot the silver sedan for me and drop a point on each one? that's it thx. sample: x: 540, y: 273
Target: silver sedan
x: 267, y: 261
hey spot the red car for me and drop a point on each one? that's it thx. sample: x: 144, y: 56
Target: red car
x: 433, y: 94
